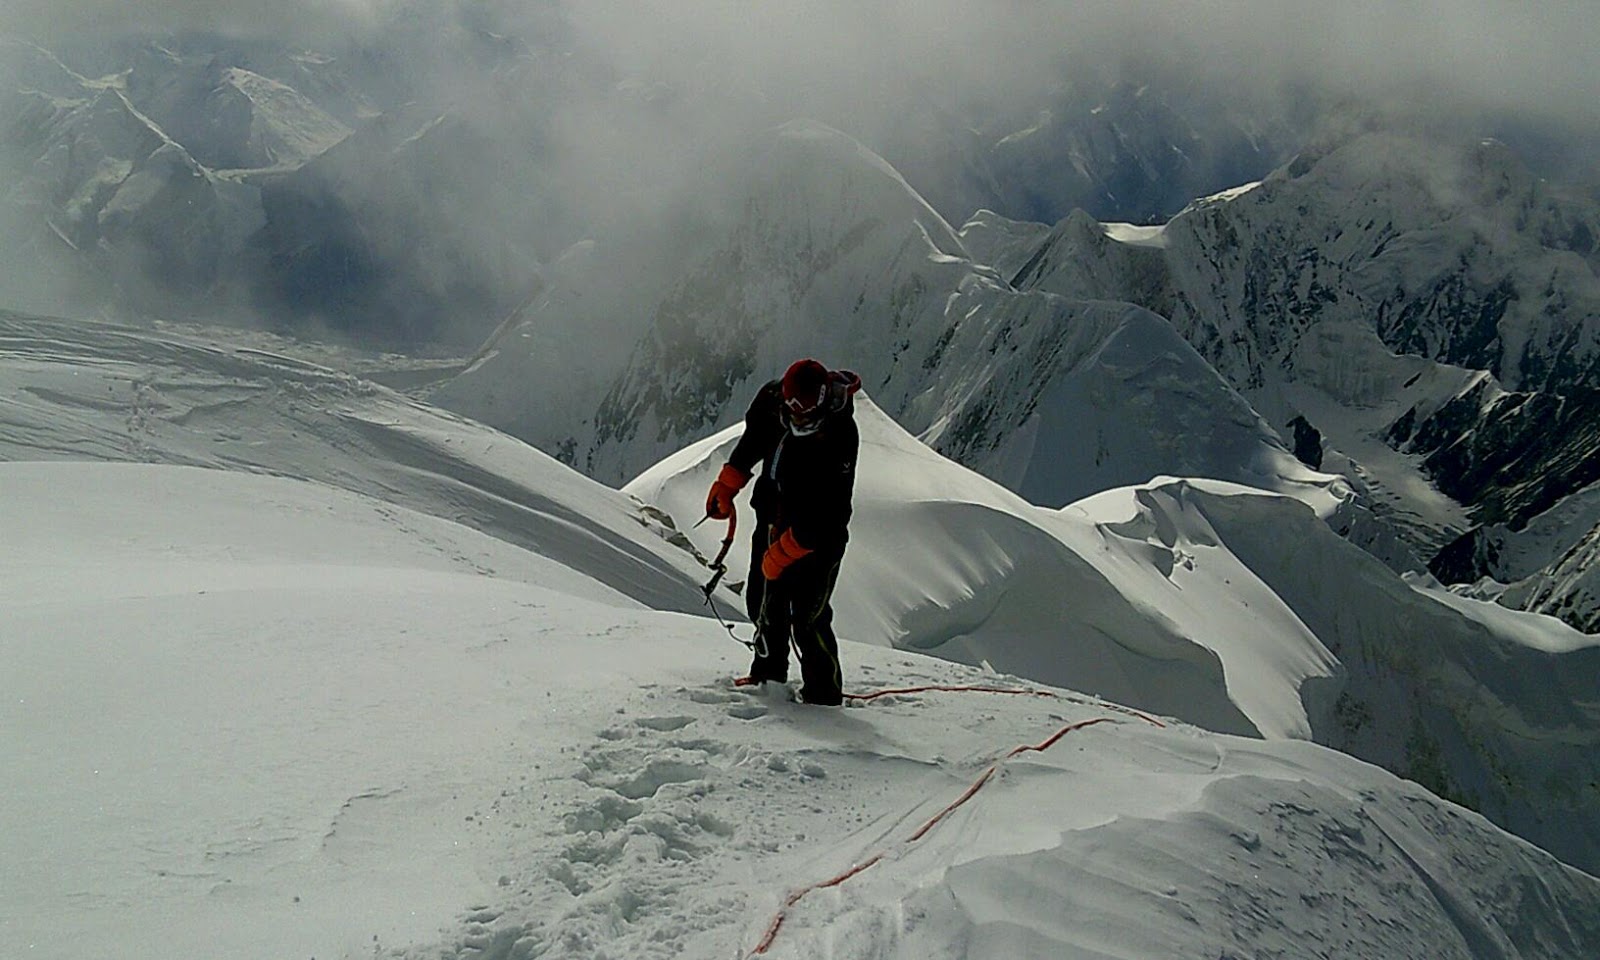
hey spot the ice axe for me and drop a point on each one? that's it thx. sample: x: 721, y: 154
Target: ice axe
x: 718, y: 568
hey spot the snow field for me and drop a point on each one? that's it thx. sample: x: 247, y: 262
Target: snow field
x: 258, y: 717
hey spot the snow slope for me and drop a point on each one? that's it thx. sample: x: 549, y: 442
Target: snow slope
x: 1230, y: 607
x: 263, y: 717
x: 951, y: 564
x: 73, y: 390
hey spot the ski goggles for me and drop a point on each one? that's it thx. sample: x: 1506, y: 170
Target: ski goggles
x: 805, y: 412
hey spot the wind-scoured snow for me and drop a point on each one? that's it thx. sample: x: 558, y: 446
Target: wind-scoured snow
x: 1001, y: 242
x: 262, y: 717
x: 1137, y: 235
x: 74, y: 390
x: 1536, y: 631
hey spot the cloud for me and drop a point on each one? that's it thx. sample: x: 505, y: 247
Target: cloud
x: 633, y: 98
x: 865, y: 55
x: 1500, y: 54
x: 51, y: 22
x: 1503, y: 54
x: 904, y: 75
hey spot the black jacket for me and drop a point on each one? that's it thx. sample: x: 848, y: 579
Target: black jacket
x: 806, y: 481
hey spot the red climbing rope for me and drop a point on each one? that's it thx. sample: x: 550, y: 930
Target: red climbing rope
x: 945, y: 688
x: 941, y: 688
x: 995, y: 768
x: 795, y: 897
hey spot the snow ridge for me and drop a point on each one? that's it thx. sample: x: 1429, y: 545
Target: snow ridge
x: 1228, y: 606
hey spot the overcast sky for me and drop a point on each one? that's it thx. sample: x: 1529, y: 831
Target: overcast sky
x: 55, y: 21
x: 1534, y: 54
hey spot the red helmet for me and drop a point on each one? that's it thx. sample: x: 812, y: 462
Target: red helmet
x: 805, y: 388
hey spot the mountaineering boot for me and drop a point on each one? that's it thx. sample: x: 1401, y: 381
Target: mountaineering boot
x: 765, y: 671
x: 819, y: 696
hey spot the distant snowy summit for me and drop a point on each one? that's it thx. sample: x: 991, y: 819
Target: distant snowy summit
x: 1452, y: 252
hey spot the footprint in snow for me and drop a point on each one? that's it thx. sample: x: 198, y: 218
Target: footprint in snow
x: 664, y: 724
x: 714, y: 697
x: 658, y: 772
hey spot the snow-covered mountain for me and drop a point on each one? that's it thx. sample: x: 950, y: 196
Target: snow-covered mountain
x: 1549, y: 566
x: 236, y: 181
x: 359, y: 237
x: 288, y: 705
x: 1456, y: 254
x: 232, y: 117
x: 380, y: 666
x: 1356, y: 340
x: 1384, y: 294
x: 138, y: 192
x: 812, y: 245
x: 96, y: 183
x: 1135, y: 150
x: 1134, y: 142
x: 548, y: 128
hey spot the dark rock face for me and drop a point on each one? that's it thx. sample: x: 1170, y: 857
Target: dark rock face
x: 1307, y: 443
x: 1468, y: 558
x: 1512, y: 456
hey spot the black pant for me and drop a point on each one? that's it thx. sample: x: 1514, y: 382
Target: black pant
x: 796, y: 606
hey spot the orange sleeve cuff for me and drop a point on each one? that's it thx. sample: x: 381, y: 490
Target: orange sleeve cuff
x: 790, y: 548
x: 732, y: 477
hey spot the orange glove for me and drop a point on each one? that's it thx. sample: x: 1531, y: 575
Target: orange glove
x: 719, y: 502
x: 784, y: 551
